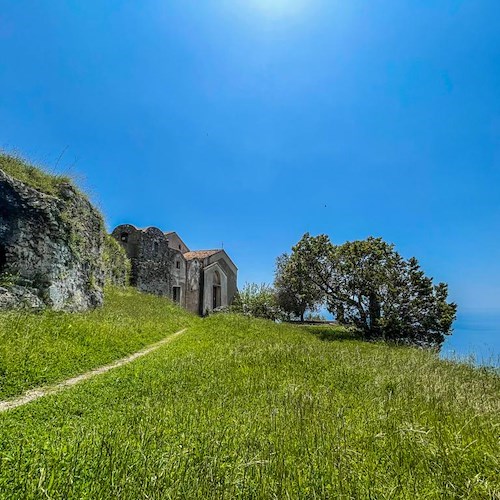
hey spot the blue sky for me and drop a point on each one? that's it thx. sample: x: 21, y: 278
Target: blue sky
x: 252, y: 122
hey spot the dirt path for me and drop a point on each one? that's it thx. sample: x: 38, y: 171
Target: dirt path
x: 40, y: 392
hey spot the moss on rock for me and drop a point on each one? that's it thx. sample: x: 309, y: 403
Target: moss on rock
x: 116, y: 263
x: 51, y: 240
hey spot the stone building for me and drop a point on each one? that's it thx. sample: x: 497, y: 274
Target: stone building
x: 200, y: 281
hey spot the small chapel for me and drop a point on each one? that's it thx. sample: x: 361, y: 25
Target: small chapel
x: 161, y: 263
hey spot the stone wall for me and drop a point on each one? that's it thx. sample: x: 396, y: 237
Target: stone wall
x: 50, y: 247
x: 150, y: 256
x: 54, y: 251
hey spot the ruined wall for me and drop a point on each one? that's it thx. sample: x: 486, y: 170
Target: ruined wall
x: 150, y: 256
x: 50, y: 245
x: 162, y: 269
x: 54, y: 251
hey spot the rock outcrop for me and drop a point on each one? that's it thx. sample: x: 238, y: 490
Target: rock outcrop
x: 51, y: 247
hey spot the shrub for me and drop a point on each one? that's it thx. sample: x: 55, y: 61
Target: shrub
x: 258, y: 301
x: 116, y: 263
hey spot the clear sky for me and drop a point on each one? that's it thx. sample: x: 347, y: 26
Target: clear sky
x: 250, y: 122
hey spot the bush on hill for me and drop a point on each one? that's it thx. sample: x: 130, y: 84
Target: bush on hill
x: 116, y: 263
x: 258, y: 301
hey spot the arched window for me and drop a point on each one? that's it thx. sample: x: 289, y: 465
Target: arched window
x: 156, y: 247
x: 124, y: 237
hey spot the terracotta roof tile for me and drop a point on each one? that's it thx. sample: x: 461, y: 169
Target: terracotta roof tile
x: 200, y: 254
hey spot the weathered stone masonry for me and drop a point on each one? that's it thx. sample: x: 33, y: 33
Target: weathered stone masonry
x: 50, y: 248
x: 54, y: 251
x: 200, y: 281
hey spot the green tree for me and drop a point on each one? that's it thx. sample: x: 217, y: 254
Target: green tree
x: 258, y: 301
x: 368, y: 284
x: 295, y: 292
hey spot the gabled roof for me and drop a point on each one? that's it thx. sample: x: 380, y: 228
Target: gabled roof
x: 170, y: 233
x: 200, y: 254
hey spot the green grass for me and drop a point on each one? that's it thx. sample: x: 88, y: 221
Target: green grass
x: 242, y: 408
x: 33, y: 176
x: 37, y: 349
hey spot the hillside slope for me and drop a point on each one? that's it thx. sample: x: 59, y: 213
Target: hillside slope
x: 242, y: 408
x: 37, y: 349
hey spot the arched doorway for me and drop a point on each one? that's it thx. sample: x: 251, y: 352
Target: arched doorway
x: 216, y: 291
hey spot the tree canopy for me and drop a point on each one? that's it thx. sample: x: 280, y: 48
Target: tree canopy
x: 366, y: 284
x: 295, y: 293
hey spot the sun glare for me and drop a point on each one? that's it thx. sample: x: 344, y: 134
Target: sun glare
x: 278, y: 8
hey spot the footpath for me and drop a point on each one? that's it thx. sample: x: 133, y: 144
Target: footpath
x: 40, y: 392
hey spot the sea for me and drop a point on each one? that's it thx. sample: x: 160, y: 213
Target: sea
x: 475, y: 339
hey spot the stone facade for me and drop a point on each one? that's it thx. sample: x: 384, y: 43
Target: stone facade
x: 200, y: 281
x: 50, y: 248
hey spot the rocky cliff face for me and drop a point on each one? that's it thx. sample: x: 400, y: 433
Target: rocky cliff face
x: 50, y: 248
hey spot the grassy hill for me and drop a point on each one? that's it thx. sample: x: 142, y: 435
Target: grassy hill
x: 38, y: 349
x: 241, y: 408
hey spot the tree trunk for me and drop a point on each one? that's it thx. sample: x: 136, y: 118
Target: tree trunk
x: 374, y: 316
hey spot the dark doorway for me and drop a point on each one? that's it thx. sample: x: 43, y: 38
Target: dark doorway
x: 3, y: 258
x: 176, y: 294
x: 216, y: 291
x: 216, y: 296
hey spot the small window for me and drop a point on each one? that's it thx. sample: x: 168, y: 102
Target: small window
x: 124, y: 237
x: 176, y: 296
x: 178, y: 264
x: 180, y: 247
x: 156, y: 247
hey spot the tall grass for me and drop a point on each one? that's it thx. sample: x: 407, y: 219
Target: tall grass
x: 35, y: 177
x: 242, y: 408
x: 36, y: 349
